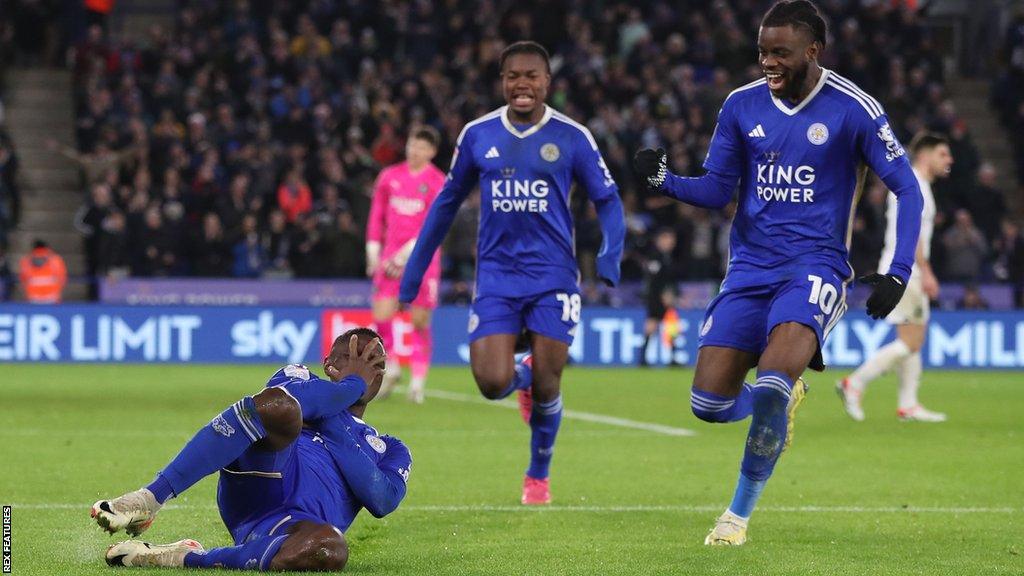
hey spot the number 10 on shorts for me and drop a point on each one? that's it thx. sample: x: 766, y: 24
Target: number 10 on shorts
x: 571, y: 305
x: 822, y: 294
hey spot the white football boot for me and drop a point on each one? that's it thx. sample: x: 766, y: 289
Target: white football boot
x: 919, y: 414
x: 133, y: 512
x: 729, y: 530
x: 851, y: 399
x: 139, y: 554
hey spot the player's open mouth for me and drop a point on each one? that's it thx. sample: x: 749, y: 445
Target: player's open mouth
x: 522, y: 100
x: 776, y: 80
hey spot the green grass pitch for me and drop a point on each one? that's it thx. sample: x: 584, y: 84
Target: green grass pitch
x: 878, y: 497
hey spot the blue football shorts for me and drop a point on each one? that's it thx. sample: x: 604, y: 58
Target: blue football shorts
x: 744, y: 313
x: 554, y: 314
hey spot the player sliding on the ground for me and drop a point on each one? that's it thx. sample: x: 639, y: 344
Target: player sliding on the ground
x: 524, y: 156
x: 794, y: 141
x: 401, y: 197
x: 932, y: 159
x: 296, y: 463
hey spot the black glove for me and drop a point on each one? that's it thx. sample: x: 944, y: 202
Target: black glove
x: 886, y: 294
x: 652, y: 166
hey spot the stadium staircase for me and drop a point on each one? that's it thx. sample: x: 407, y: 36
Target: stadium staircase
x: 40, y: 106
x: 971, y: 98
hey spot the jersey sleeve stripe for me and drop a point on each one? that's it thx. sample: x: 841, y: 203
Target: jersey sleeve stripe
x: 857, y: 89
x: 586, y: 132
x: 863, y: 103
x: 490, y: 115
x: 877, y: 108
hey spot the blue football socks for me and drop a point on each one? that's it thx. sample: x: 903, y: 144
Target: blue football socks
x: 544, y: 422
x: 522, y: 379
x: 252, y: 555
x: 215, y: 446
x: 711, y: 407
x: 770, y: 399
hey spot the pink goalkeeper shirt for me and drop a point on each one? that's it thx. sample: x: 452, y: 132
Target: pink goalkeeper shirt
x: 401, y: 200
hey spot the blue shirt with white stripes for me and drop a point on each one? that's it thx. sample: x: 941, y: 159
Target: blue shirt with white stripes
x: 525, y: 173
x: 801, y: 170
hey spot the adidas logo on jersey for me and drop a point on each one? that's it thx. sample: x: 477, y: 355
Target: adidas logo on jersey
x: 492, y: 153
x: 757, y: 132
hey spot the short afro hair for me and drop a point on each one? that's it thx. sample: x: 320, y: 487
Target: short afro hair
x: 524, y: 47
x: 798, y: 14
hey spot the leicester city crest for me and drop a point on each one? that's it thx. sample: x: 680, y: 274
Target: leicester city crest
x: 817, y: 134
x: 376, y: 443
x: 550, y: 152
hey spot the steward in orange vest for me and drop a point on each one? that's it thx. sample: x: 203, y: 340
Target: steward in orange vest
x: 42, y: 274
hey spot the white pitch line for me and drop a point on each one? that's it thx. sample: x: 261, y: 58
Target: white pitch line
x: 572, y: 414
x: 620, y: 509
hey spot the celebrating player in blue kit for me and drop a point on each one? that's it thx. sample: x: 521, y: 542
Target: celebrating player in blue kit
x: 296, y: 463
x: 524, y: 156
x: 796, y: 142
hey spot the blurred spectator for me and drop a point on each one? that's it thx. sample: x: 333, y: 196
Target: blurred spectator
x: 660, y: 278
x: 306, y: 249
x: 89, y: 221
x: 294, y: 197
x: 95, y: 166
x: 344, y: 249
x: 155, y: 253
x: 211, y: 254
x: 965, y: 249
x: 248, y: 253
x: 972, y: 299
x: 42, y: 274
x: 10, y: 193
x: 1009, y: 259
x: 7, y: 280
x: 986, y: 203
x: 277, y: 244
x: 114, y: 253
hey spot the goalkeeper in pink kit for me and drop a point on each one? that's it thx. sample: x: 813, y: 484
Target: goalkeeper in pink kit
x: 402, y: 197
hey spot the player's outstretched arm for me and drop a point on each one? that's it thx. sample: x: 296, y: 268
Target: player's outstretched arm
x: 711, y: 190
x: 456, y: 188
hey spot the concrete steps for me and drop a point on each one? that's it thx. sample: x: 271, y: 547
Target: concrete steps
x: 971, y: 98
x: 40, y: 107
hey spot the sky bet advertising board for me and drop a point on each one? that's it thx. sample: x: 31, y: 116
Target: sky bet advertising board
x: 606, y: 336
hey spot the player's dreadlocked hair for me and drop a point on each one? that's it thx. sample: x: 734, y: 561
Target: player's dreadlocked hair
x: 799, y: 14
x: 524, y: 47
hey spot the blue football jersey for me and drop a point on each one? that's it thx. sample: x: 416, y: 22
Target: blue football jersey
x: 801, y: 170
x: 316, y: 484
x: 526, y: 243
x: 323, y: 491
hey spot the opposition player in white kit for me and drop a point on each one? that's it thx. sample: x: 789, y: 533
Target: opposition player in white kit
x: 931, y: 159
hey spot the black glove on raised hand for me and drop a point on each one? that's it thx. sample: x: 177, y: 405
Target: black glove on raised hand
x: 652, y: 166
x: 887, y: 290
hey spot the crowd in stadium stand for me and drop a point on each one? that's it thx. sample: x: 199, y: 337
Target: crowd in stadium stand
x: 244, y: 142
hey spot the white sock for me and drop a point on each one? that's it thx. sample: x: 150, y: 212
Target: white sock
x: 875, y: 366
x: 417, y: 383
x: 910, y: 380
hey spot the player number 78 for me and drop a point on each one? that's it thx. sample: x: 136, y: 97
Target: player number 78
x: 571, y: 305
